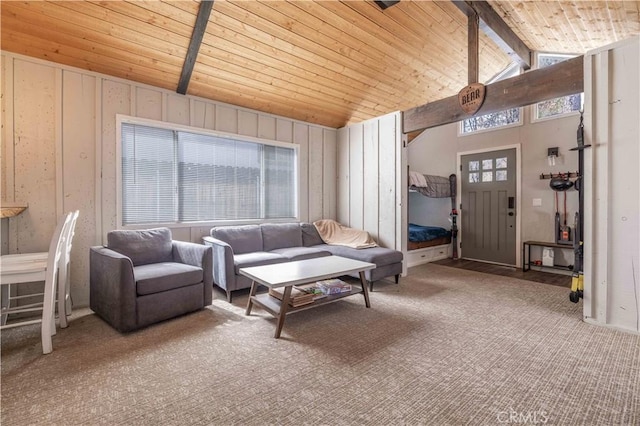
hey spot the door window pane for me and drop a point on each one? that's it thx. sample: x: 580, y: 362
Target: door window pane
x: 501, y: 163
x: 501, y: 175
x: 474, y: 177
x: 487, y: 176
x: 487, y: 164
x: 474, y: 165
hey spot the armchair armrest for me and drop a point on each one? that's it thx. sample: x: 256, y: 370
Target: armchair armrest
x: 224, y: 274
x: 196, y: 255
x: 112, y: 293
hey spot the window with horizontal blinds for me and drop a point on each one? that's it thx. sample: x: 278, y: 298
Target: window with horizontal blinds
x: 172, y: 176
x: 148, y: 175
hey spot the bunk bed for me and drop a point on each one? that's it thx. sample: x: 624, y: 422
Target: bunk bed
x: 427, y: 242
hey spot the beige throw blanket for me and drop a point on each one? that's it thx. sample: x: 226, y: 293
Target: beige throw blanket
x: 333, y: 232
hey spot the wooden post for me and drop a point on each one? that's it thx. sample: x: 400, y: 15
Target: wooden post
x: 473, y: 28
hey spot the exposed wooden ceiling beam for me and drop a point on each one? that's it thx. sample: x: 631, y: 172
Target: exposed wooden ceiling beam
x: 194, y: 45
x: 494, y: 26
x: 562, y: 79
x: 383, y: 4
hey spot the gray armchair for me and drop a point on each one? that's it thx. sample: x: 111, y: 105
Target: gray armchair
x: 143, y: 277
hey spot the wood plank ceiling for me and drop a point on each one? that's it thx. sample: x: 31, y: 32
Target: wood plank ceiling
x: 325, y: 62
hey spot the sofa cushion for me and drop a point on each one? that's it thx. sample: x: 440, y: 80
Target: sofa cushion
x: 379, y: 255
x: 257, y: 258
x: 242, y: 239
x: 301, y: 253
x: 159, y: 277
x: 279, y: 235
x: 142, y: 246
x: 310, y: 235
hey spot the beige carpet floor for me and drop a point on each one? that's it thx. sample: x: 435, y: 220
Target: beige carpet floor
x: 445, y: 347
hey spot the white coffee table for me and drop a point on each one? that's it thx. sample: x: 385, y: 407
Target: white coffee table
x: 301, y: 272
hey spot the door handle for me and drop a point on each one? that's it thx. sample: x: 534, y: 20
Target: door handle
x: 510, y: 213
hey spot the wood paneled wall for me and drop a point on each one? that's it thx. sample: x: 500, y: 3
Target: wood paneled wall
x: 371, y: 191
x: 59, y: 152
x: 612, y: 186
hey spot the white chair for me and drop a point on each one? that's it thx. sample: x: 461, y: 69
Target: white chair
x: 64, y: 280
x: 16, y: 270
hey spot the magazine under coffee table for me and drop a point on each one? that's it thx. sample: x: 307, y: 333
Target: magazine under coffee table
x: 301, y: 272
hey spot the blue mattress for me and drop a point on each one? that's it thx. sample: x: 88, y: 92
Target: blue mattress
x: 418, y: 233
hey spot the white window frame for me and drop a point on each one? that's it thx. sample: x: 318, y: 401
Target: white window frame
x: 534, y: 107
x: 520, y: 122
x: 120, y: 119
x: 506, y: 73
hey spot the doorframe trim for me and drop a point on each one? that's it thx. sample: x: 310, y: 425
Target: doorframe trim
x: 518, y: 148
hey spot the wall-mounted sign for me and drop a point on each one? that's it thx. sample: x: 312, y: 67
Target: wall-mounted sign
x: 471, y: 98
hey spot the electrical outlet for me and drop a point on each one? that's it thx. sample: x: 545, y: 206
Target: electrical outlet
x: 537, y: 202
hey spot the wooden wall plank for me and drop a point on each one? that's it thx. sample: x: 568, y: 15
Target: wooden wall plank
x: 57, y: 102
x: 178, y: 109
x: 78, y: 180
x: 204, y: 115
x: 329, y: 151
x: 34, y: 144
x: 389, y: 186
x: 284, y: 130
x: 301, y: 137
x: 343, y: 172
x: 226, y: 119
x: 624, y: 200
x: 371, y: 162
x: 316, y: 146
x: 248, y: 123
x: 148, y: 103
x: 116, y: 99
x: 7, y: 169
x: 267, y: 127
x: 356, y: 172
x: 7, y: 156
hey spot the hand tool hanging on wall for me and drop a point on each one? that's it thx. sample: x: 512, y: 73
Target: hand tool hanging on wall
x: 565, y: 230
x: 454, y: 215
x: 561, y: 183
x: 577, y: 277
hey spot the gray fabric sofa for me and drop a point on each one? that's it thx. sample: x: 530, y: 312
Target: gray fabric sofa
x: 143, y: 277
x: 236, y: 247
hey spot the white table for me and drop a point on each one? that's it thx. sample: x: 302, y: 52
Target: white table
x: 301, y: 272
